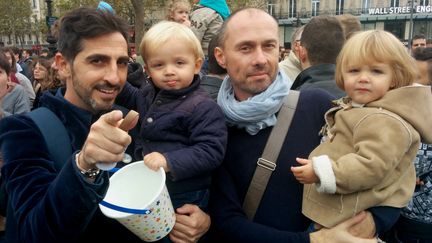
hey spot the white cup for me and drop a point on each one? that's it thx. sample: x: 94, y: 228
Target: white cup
x: 138, y: 198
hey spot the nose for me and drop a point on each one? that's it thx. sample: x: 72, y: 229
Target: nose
x: 363, y: 77
x: 112, y: 73
x: 260, y: 57
x: 169, y: 70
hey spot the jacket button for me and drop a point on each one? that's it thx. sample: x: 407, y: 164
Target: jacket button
x: 149, y: 120
x: 158, y: 102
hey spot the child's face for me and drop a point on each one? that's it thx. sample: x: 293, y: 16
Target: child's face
x: 173, y: 65
x: 180, y: 14
x: 367, y: 83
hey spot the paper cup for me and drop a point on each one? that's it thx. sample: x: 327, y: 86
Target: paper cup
x: 138, y: 198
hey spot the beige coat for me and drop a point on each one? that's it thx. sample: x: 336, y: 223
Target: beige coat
x: 370, y: 155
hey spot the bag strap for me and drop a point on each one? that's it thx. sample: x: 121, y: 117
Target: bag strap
x: 54, y: 133
x: 267, y: 163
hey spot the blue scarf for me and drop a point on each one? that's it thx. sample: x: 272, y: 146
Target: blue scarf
x: 220, y: 6
x: 258, y: 111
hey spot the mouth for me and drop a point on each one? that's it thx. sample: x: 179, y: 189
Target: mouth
x: 171, y: 83
x: 362, y: 89
x: 108, y: 93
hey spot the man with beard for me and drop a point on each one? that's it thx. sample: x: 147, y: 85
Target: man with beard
x: 48, y: 204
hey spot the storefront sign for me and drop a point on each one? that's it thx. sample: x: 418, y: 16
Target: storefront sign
x: 400, y: 10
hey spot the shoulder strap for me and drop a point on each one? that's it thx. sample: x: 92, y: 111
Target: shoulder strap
x: 54, y: 133
x: 267, y: 163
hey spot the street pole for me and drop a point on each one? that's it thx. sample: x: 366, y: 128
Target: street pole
x: 50, y: 38
x: 411, y: 26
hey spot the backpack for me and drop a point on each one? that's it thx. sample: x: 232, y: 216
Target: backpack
x: 57, y: 141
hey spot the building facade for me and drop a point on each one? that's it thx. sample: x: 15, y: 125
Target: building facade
x: 400, y: 17
x: 32, y: 39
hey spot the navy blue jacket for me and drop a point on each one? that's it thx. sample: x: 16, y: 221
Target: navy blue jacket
x: 185, y: 125
x: 50, y: 205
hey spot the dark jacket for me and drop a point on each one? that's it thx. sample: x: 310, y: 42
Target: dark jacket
x: 186, y: 126
x: 51, y: 205
x: 212, y: 85
x: 136, y: 75
x: 321, y: 76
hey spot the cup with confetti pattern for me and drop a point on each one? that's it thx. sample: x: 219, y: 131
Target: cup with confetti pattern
x: 138, y: 198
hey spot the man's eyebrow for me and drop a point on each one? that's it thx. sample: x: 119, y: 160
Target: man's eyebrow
x: 123, y: 58
x: 97, y: 56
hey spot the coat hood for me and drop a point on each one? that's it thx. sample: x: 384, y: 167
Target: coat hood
x: 413, y: 104
x: 220, y: 6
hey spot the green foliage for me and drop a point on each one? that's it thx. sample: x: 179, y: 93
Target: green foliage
x: 15, y: 19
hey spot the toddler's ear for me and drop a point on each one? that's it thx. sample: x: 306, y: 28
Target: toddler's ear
x: 198, y: 64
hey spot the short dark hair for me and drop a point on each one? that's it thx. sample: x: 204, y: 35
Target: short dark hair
x: 85, y: 23
x: 213, y: 66
x: 419, y: 36
x: 4, y: 63
x: 323, y: 38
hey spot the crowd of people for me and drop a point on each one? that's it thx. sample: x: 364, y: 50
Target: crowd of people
x: 354, y: 165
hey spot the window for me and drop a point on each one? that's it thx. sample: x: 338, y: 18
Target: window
x: 315, y: 7
x: 293, y: 8
x: 394, y: 3
x: 339, y: 7
x: 34, y: 4
x: 424, y: 2
x: 271, y: 7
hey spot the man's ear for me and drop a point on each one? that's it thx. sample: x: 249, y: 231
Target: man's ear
x: 220, y: 56
x: 63, y: 66
x: 303, y: 56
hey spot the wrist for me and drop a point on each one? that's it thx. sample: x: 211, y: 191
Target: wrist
x: 90, y: 173
x: 81, y: 164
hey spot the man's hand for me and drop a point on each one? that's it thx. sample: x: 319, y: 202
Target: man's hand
x: 305, y: 174
x: 191, y: 224
x: 341, y: 232
x: 156, y: 160
x: 105, y: 143
x: 364, y: 229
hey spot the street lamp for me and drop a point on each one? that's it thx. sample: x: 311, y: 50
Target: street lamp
x: 49, y: 22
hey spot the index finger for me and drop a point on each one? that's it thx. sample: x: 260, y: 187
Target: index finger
x: 130, y: 121
x: 112, y: 117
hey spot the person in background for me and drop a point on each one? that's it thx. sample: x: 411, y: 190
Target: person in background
x: 291, y: 65
x: 19, y: 78
x: 17, y: 54
x: 26, y: 63
x: 213, y: 80
x: 44, y: 53
x: 423, y: 57
x: 418, y: 41
x: 5, y: 70
x: 321, y: 41
x: 181, y: 129
x: 350, y: 24
x: 250, y: 98
x: 4, y: 90
x: 43, y: 78
x: 206, y: 19
x: 178, y: 11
